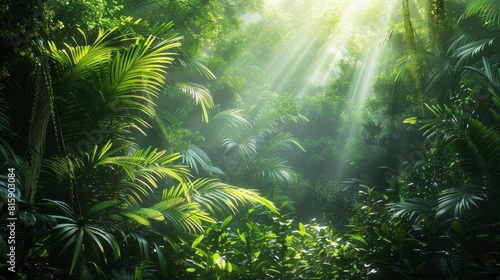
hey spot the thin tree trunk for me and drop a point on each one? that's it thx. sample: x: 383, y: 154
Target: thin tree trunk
x: 40, y: 117
x: 411, y: 47
x: 436, y: 20
x: 409, y: 35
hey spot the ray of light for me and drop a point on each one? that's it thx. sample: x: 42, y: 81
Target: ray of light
x: 319, y: 35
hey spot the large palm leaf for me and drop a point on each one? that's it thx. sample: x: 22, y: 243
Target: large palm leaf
x: 198, y: 160
x: 74, y: 232
x: 488, y: 10
x: 107, y: 171
x: 219, y: 197
x: 108, y: 86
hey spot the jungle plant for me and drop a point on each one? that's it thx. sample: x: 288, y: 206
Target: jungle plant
x: 260, y: 245
x: 106, y: 193
x: 242, y: 144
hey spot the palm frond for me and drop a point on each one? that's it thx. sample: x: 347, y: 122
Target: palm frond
x: 219, y: 197
x: 460, y: 200
x: 196, y: 63
x: 226, y: 122
x: 275, y: 170
x: 197, y: 159
x: 415, y: 208
x: 281, y: 142
x: 488, y: 10
x: 463, y: 136
x: 403, y: 65
x: 107, y: 170
x: 442, y: 78
x: 74, y: 235
x: 200, y: 94
x: 163, y: 30
x: 477, y: 150
x: 76, y: 63
x: 141, y: 66
x: 474, y: 50
x: 243, y: 147
x: 485, y: 75
x: 265, y: 123
x: 108, y: 86
x: 179, y: 212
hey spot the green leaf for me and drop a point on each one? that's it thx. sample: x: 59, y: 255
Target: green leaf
x: 412, y: 120
x: 243, y: 236
x: 167, y: 203
x: 400, y: 235
x: 162, y: 260
x: 78, y: 248
x: 385, y: 229
x: 100, y: 206
x: 358, y: 238
x: 457, y: 227
x: 149, y: 213
x: 226, y: 221
x: 138, y: 218
x: 302, y: 228
x: 197, y: 241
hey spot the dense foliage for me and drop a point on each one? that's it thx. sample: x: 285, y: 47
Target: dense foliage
x: 153, y: 140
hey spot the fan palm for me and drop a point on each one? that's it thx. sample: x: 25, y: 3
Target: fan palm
x: 250, y: 144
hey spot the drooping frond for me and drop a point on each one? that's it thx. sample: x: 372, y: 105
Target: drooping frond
x: 244, y: 147
x: 484, y: 74
x: 477, y: 152
x: 415, y: 208
x: 488, y: 10
x: 188, y: 205
x: 145, y: 167
x: 275, y: 170
x: 76, y: 63
x: 281, y: 142
x: 476, y: 145
x: 197, y: 159
x: 179, y: 212
x: 141, y: 66
x: 226, y: 122
x: 109, y: 171
x: 460, y: 199
x: 474, y: 50
x: 220, y: 197
x: 200, y: 94
x: 442, y: 78
x: 196, y: 63
x: 403, y: 66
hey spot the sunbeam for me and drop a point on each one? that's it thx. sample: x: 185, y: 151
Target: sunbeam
x: 319, y: 35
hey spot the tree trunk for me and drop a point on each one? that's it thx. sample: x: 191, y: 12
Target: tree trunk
x: 409, y: 36
x: 40, y: 116
x: 411, y: 47
x: 436, y: 20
